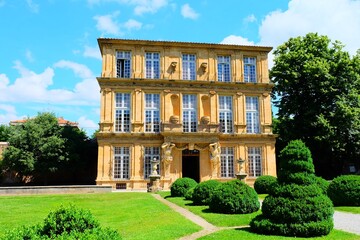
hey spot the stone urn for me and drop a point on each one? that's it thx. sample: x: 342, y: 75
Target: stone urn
x: 174, y: 119
x: 205, y: 120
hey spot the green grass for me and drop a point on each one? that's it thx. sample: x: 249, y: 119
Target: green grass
x: 244, y: 233
x: 134, y: 215
x: 217, y: 219
x: 355, y: 210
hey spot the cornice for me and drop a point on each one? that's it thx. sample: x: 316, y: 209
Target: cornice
x: 176, y: 85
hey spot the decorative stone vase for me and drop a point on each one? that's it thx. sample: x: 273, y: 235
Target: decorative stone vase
x: 174, y: 119
x: 205, y: 120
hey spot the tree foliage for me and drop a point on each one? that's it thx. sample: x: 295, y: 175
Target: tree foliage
x: 4, y: 133
x: 317, y: 87
x: 40, y: 148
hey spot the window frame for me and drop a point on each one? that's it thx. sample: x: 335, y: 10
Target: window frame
x: 252, y: 115
x: 153, y: 109
x: 224, y: 68
x: 152, y: 71
x: 225, y: 114
x: 227, y: 162
x: 189, y: 114
x: 255, y: 161
x: 250, y: 75
x: 121, y: 163
x: 188, y: 66
x: 123, y: 64
x: 121, y: 124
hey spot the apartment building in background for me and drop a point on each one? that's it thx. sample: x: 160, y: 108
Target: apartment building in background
x: 197, y: 107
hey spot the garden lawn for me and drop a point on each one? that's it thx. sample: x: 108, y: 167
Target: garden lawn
x: 355, y: 210
x: 217, y: 219
x: 244, y: 233
x: 133, y: 215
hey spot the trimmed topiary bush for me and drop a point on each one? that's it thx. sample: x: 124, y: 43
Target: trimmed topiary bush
x: 263, y: 184
x: 181, y: 186
x: 66, y: 223
x: 323, y: 184
x: 345, y: 190
x: 296, y: 205
x: 234, y: 197
x: 203, y: 191
x: 189, y: 193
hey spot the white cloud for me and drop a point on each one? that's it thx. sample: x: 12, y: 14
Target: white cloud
x: 92, y: 52
x: 188, y: 12
x: 232, y: 39
x: 36, y: 87
x: 132, y: 24
x: 147, y: 6
x: 249, y: 19
x: 338, y: 19
x: 107, y: 24
x: 86, y: 123
x: 8, y: 113
x: 79, y: 69
x: 33, y: 6
x: 29, y: 56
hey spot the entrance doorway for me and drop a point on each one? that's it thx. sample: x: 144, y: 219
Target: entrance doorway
x: 191, y: 164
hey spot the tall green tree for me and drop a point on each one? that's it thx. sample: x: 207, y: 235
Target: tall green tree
x: 37, y: 147
x: 317, y: 92
x: 4, y: 133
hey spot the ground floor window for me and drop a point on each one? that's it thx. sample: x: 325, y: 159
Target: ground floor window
x: 227, y: 162
x: 121, y: 162
x: 149, y: 154
x: 254, y: 161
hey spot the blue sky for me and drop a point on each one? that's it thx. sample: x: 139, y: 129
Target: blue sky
x: 49, y: 58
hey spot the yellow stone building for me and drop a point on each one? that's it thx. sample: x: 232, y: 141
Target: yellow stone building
x: 199, y: 108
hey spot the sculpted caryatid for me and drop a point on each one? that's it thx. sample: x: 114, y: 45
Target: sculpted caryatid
x: 167, y: 156
x: 215, y: 151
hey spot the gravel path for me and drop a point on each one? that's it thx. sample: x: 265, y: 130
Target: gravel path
x: 343, y: 221
x: 347, y: 222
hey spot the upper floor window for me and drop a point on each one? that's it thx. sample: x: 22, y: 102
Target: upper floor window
x: 227, y: 162
x: 149, y: 154
x: 252, y: 115
x: 152, y: 112
x: 254, y: 157
x: 152, y: 65
x: 122, y: 112
x: 121, y: 162
x: 250, y: 69
x: 189, y: 66
x: 225, y: 114
x: 223, y: 68
x: 189, y: 113
x: 123, y: 60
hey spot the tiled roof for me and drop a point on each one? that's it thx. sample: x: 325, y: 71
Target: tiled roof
x: 61, y: 122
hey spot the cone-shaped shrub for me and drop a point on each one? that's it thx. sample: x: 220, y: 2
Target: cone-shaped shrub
x: 296, y: 205
x: 234, y: 197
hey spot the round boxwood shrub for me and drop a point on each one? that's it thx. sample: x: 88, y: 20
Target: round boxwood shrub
x: 203, y: 191
x: 181, y: 186
x: 345, y: 190
x: 234, y: 197
x: 263, y: 184
x: 189, y: 193
x: 65, y: 223
x: 296, y: 205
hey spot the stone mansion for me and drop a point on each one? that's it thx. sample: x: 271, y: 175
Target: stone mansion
x: 197, y: 107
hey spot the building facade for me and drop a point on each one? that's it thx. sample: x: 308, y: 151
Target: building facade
x: 198, y: 108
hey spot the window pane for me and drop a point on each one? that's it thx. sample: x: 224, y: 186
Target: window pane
x: 189, y: 66
x: 224, y: 68
x: 189, y: 113
x: 152, y: 112
x: 252, y: 115
x: 152, y: 65
x: 225, y: 114
x: 249, y: 69
x: 227, y: 162
x: 149, y: 154
x: 121, y: 163
x: 254, y: 156
x: 123, y: 64
x: 122, y: 112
